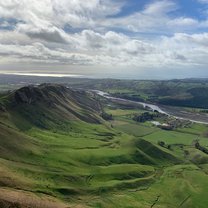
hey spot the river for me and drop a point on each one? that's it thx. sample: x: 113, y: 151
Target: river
x: 176, y: 112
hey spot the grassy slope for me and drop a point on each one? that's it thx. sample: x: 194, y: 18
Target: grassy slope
x: 183, y: 185
x: 95, y: 165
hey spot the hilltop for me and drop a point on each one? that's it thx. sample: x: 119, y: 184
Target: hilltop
x: 50, y: 106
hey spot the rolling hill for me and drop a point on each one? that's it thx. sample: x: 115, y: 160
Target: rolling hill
x: 57, y: 151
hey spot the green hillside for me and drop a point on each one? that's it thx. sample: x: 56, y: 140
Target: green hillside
x: 57, y: 151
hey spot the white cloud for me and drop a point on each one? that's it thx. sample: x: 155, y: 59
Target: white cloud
x: 155, y: 18
x: 38, y: 34
x: 50, y: 34
x: 160, y: 8
x: 39, y: 53
x: 183, y: 22
x: 45, y: 13
x: 114, y: 49
x: 152, y: 18
x: 203, y: 1
x: 189, y: 41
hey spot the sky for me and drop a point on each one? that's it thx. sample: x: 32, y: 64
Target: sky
x: 155, y: 39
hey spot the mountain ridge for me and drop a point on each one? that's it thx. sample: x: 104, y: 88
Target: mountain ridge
x: 52, y: 102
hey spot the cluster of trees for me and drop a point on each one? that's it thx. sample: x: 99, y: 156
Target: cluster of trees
x: 146, y: 116
x: 162, y: 144
x: 106, y: 116
x: 204, y: 111
x: 199, y: 147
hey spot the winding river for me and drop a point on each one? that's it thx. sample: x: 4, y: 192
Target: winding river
x: 176, y: 112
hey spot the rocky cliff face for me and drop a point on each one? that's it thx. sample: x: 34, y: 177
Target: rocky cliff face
x: 44, y: 92
x: 27, y: 95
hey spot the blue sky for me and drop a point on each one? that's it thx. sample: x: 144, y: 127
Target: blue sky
x: 107, y: 38
x: 189, y: 8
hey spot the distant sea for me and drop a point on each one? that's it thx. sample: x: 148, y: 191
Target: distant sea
x: 95, y: 75
x: 43, y: 74
x: 62, y: 75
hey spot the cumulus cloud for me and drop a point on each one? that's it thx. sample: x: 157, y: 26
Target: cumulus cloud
x: 35, y: 32
x: 50, y: 34
x: 39, y: 53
